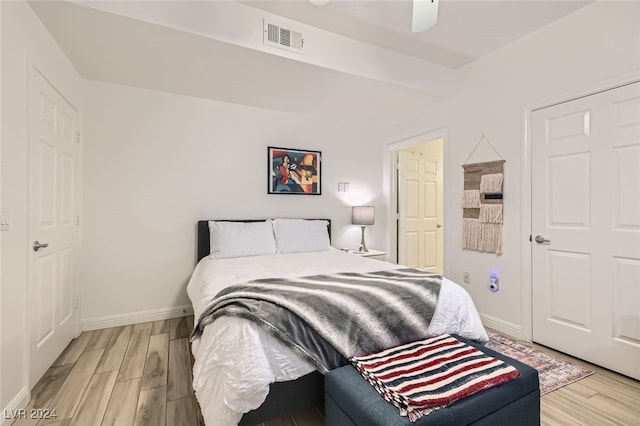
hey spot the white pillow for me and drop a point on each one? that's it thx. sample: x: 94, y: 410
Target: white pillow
x: 300, y: 236
x: 240, y: 239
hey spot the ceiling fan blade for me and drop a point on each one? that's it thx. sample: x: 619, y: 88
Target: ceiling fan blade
x: 425, y: 15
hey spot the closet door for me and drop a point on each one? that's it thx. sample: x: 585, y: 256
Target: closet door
x: 53, y: 223
x: 586, y: 228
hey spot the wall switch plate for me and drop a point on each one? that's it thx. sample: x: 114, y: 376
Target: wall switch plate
x: 466, y: 277
x: 4, y: 219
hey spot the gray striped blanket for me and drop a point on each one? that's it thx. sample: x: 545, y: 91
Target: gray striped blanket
x: 327, y: 319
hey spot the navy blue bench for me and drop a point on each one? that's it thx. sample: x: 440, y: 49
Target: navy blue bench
x: 351, y: 401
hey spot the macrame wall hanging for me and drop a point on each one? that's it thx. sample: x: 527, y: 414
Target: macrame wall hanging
x: 482, y: 204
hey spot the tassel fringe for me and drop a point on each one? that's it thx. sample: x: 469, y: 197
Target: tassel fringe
x: 471, y: 199
x: 491, y: 213
x: 471, y: 234
x: 491, y: 184
x: 484, y: 237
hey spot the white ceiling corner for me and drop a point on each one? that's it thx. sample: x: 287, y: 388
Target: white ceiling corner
x: 361, y: 61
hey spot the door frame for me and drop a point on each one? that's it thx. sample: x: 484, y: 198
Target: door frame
x: 391, y: 158
x: 34, y: 66
x: 526, y: 206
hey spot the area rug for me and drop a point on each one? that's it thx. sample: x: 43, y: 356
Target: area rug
x: 553, y: 372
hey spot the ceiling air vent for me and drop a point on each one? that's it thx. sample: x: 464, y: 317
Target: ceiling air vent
x: 284, y: 38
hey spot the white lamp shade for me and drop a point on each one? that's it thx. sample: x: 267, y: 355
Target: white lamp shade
x: 363, y: 215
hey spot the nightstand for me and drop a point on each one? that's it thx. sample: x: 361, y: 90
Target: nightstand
x: 375, y: 254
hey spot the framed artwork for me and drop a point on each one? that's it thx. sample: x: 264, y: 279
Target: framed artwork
x: 294, y: 171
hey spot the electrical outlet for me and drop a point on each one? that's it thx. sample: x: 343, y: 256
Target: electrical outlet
x: 466, y: 277
x: 493, y: 283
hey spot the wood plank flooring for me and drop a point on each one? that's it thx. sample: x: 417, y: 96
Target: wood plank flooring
x: 604, y: 398
x: 141, y: 375
x: 132, y: 375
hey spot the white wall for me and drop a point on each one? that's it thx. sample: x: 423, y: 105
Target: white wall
x: 24, y: 40
x: 593, y: 44
x: 155, y: 163
x: 2, y: 405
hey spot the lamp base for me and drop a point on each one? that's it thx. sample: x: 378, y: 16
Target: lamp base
x: 363, y: 247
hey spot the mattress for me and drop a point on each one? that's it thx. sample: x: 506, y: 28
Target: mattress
x: 236, y: 360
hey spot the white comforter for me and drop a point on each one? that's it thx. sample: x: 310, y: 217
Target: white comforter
x: 236, y: 360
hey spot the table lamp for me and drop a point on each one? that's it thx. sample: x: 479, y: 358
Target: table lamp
x: 363, y: 215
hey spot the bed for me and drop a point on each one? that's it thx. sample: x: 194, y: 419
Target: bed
x: 242, y: 373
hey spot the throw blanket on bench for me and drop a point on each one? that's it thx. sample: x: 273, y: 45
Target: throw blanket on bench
x: 426, y: 375
x: 329, y: 318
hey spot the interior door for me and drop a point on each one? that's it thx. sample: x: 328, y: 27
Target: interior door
x: 420, y: 211
x: 53, y: 230
x: 586, y: 228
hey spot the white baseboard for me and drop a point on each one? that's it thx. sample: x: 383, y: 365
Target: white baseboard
x: 502, y: 326
x: 14, y: 410
x: 136, y: 317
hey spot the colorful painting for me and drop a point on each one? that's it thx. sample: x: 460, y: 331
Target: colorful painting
x: 294, y: 171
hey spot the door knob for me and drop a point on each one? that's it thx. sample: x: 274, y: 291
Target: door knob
x: 438, y: 226
x: 541, y: 240
x: 37, y: 245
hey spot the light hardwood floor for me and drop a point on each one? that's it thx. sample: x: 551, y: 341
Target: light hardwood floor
x: 141, y: 375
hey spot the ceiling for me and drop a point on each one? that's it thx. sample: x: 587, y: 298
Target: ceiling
x: 381, y: 73
x: 466, y: 29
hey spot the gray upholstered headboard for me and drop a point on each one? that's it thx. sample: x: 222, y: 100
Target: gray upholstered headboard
x: 203, y: 234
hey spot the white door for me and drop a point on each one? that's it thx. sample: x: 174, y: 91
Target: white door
x: 53, y: 206
x: 586, y: 203
x: 420, y: 211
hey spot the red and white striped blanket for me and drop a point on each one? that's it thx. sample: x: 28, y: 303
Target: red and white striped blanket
x: 429, y: 374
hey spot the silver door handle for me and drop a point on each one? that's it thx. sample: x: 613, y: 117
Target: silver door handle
x: 37, y: 245
x: 541, y: 240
